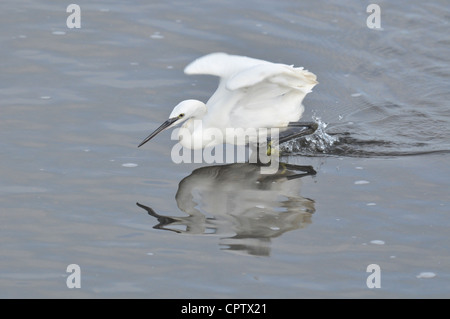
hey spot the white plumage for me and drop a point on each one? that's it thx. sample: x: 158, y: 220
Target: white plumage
x: 252, y: 93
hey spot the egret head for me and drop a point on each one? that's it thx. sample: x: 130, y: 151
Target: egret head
x: 180, y: 113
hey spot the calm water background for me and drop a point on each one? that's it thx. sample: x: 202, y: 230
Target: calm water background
x: 76, y: 102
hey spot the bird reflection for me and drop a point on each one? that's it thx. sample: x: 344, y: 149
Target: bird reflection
x: 241, y: 205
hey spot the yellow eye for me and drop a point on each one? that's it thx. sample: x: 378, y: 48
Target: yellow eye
x: 181, y: 115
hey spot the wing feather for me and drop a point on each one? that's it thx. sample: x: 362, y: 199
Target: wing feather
x: 281, y: 74
x: 270, y: 94
x: 221, y: 64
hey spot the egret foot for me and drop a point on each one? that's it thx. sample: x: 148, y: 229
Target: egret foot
x: 270, y: 150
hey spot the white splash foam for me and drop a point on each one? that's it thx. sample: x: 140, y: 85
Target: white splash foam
x: 426, y: 275
x: 319, y: 141
x: 129, y: 165
x: 157, y: 35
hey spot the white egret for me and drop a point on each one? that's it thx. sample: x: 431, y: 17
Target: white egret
x: 252, y: 93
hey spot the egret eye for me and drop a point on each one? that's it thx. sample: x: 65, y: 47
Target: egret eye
x: 181, y: 115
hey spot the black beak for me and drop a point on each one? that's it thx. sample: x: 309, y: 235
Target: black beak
x: 163, y: 126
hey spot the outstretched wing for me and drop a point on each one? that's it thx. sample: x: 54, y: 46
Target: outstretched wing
x: 268, y: 94
x: 241, y: 71
x: 283, y: 75
x: 221, y: 64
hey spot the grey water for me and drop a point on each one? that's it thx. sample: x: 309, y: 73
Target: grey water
x: 371, y: 187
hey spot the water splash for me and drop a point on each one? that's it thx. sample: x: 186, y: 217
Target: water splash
x: 318, y: 142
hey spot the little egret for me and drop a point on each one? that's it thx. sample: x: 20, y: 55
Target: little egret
x: 252, y: 93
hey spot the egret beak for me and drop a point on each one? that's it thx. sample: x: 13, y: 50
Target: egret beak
x: 163, y: 126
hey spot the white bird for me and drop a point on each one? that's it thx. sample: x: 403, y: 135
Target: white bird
x: 252, y: 93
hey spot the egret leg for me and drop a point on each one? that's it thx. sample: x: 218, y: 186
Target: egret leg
x: 308, y: 128
x: 313, y: 125
x: 258, y: 148
x: 286, y: 170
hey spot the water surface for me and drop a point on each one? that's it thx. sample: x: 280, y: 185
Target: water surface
x: 76, y: 102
